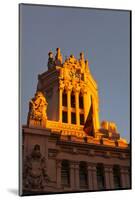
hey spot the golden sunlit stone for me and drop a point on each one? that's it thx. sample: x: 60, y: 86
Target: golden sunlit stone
x: 73, y: 79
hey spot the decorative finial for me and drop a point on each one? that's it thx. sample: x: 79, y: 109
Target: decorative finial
x: 87, y: 65
x: 82, y: 61
x: 71, y: 55
x: 82, y: 55
x: 58, y: 57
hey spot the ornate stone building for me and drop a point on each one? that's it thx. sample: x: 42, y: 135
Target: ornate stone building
x: 65, y: 147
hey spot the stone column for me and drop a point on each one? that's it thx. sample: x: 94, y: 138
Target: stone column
x: 96, y: 113
x: 94, y: 176
x: 77, y: 107
x: 72, y: 176
x: 109, y: 184
x: 86, y: 109
x: 58, y: 173
x: 77, y: 184
x: 90, y: 181
x: 60, y: 104
x: 127, y: 178
x: 69, y: 105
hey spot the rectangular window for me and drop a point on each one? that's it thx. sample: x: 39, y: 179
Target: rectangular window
x: 64, y: 99
x: 81, y: 102
x: 83, y: 176
x: 65, y: 177
x: 64, y: 116
x: 72, y: 100
x: 81, y: 119
x: 100, y: 177
x: 82, y: 77
x: 116, y: 177
x: 73, y: 118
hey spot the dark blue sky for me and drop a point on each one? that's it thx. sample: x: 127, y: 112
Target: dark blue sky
x: 103, y: 35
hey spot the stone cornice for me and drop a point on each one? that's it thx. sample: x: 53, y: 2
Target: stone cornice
x: 36, y: 130
x: 94, y: 146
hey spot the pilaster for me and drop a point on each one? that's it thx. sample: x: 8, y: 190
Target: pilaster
x: 127, y: 176
x: 124, y: 177
x: 77, y: 107
x: 60, y: 105
x: 90, y: 172
x: 86, y: 111
x: 72, y: 175
x: 60, y: 101
x: 94, y: 176
x: 58, y: 173
x: 69, y: 105
x: 109, y: 184
x: 77, y: 185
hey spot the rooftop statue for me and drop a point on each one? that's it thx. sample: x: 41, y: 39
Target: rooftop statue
x: 71, y: 60
x: 51, y: 62
x: 37, y: 110
x: 82, y: 61
x: 58, y: 58
x: 87, y: 65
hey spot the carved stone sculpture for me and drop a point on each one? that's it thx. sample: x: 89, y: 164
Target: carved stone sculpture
x: 87, y: 65
x: 82, y: 61
x: 51, y: 62
x: 58, y: 58
x: 37, y: 110
x: 110, y: 126
x: 72, y: 60
x: 34, y: 172
x: 109, y: 130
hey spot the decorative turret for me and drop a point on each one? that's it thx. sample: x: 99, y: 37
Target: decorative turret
x: 73, y: 103
x: 69, y: 88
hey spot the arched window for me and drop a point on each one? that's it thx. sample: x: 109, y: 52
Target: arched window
x: 81, y: 104
x: 72, y: 99
x: 64, y: 98
x: 116, y: 176
x: 100, y: 176
x: 83, y: 176
x: 65, y: 173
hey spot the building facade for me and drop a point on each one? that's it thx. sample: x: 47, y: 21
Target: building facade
x: 65, y: 147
